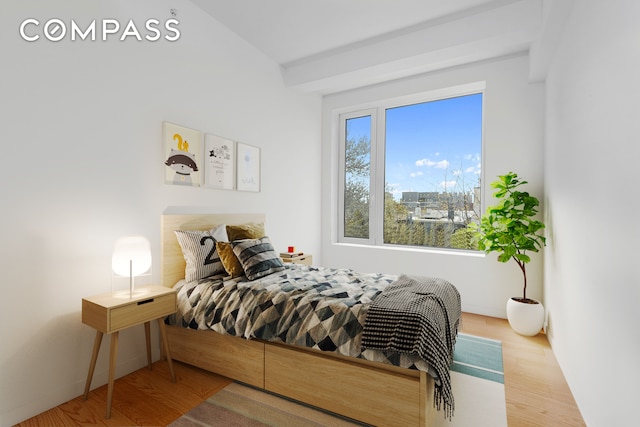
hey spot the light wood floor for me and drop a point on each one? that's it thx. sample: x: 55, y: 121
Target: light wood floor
x: 536, y: 392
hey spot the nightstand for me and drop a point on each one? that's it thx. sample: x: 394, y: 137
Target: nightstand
x: 302, y: 259
x: 112, y: 312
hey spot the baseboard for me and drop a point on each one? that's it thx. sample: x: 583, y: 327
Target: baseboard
x: 485, y: 311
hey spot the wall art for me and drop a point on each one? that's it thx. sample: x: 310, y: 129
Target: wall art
x: 248, y: 167
x: 181, y: 155
x: 219, y: 162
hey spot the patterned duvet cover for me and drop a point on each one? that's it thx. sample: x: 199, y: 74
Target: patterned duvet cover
x: 316, y: 307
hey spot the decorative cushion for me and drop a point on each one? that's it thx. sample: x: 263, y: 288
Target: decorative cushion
x: 245, y: 231
x: 258, y: 257
x: 199, y: 251
x: 229, y: 259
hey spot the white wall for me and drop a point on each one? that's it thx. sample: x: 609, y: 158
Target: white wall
x: 513, y: 129
x: 592, y: 283
x: 82, y: 165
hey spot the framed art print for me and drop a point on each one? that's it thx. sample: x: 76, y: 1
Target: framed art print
x: 248, y: 167
x: 219, y: 162
x: 181, y: 155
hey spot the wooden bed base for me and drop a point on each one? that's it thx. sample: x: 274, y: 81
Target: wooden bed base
x: 374, y: 393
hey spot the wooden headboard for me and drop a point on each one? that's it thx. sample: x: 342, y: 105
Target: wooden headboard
x: 172, y: 261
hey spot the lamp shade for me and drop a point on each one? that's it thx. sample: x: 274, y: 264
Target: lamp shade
x: 131, y: 256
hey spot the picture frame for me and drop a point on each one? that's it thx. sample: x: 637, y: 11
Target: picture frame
x: 182, y: 155
x: 219, y: 162
x: 247, y: 167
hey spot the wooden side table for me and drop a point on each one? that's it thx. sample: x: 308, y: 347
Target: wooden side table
x: 112, y: 312
x: 302, y: 259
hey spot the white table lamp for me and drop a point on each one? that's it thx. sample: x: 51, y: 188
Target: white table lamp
x: 131, y: 257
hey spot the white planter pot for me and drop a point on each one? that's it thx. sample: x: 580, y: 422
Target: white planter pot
x: 525, y: 319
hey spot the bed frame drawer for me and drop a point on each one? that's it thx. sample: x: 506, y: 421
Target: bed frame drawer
x: 331, y: 384
x: 226, y: 355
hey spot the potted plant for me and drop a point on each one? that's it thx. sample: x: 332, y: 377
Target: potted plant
x: 510, y: 228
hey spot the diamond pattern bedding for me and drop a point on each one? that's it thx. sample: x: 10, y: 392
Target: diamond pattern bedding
x: 316, y: 307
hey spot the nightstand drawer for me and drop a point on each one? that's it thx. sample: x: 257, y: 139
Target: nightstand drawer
x: 302, y: 259
x: 141, y: 311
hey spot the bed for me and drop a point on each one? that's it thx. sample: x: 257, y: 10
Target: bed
x: 364, y: 388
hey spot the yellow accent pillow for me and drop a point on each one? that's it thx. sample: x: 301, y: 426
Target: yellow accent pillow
x: 229, y: 260
x: 245, y: 231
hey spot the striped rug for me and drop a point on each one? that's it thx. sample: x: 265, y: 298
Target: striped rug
x: 478, y: 357
x: 476, y: 375
x: 477, y: 381
x: 237, y: 405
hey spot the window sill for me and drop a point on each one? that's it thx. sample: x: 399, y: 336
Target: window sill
x: 396, y: 248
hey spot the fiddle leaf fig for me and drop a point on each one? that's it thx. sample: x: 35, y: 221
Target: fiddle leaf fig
x: 509, y: 227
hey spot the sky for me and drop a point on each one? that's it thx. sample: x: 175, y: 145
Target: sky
x: 432, y: 146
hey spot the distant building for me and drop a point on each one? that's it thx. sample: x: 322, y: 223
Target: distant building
x: 431, y: 206
x: 434, y: 200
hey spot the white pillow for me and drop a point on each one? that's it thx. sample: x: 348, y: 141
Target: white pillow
x: 199, y: 251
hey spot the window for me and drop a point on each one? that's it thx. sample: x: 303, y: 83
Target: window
x: 410, y: 171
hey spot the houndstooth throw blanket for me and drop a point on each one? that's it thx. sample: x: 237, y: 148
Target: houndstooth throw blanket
x: 418, y: 315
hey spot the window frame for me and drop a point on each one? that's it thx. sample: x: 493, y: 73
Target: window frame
x: 341, y: 178
x: 377, y: 111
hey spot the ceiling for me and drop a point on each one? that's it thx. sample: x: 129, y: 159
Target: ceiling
x: 327, y: 46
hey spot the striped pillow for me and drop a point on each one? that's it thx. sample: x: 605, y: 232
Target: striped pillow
x: 257, y: 257
x: 199, y: 251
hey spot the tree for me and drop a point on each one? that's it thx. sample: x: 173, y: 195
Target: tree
x: 356, y: 187
x: 397, y: 230
x: 463, y: 238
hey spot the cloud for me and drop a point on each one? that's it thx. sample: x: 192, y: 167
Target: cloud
x: 415, y: 174
x: 396, y: 190
x: 448, y: 184
x: 393, y: 188
x: 442, y: 164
